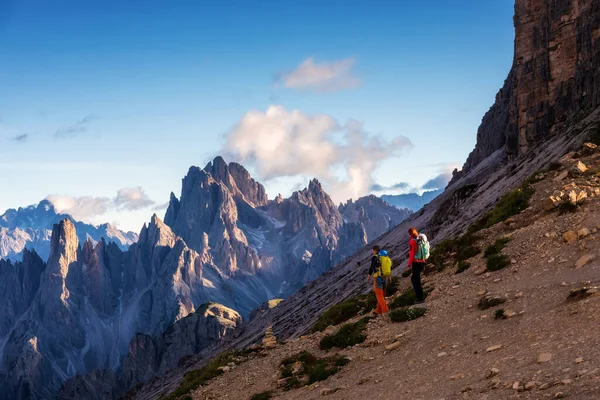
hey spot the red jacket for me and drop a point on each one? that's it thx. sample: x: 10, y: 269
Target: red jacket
x: 412, y: 244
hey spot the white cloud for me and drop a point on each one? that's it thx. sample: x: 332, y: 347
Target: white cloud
x: 280, y: 143
x: 87, y: 207
x: 132, y: 199
x: 80, y: 208
x: 321, y: 77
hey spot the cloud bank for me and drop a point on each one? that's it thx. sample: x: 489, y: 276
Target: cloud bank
x: 21, y: 138
x: 86, y: 207
x: 279, y: 143
x: 320, y: 77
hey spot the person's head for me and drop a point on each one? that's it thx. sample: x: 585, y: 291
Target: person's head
x: 413, y: 233
x: 376, y: 249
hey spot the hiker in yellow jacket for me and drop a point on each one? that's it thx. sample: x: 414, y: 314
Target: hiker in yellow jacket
x: 380, y: 270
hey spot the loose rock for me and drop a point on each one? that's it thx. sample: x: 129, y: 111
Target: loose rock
x: 544, y: 358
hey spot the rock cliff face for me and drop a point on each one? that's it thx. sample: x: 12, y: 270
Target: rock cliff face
x: 280, y: 244
x: 554, y: 77
x: 150, y: 356
x: 31, y: 228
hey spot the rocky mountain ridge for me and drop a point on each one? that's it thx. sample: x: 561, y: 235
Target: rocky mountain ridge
x: 412, y: 201
x: 31, y: 228
x: 127, y: 316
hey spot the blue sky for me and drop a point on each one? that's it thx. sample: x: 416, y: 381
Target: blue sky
x: 98, y: 96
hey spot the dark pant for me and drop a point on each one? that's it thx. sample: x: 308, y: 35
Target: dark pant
x: 417, y: 269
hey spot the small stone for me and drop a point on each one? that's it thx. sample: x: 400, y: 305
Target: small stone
x: 579, y: 360
x: 544, y: 386
x: 584, y: 260
x: 550, y: 203
x: 579, y: 168
x: 530, y: 385
x: 457, y: 376
x: 509, y: 313
x: 561, y: 176
x: 442, y: 354
x: 326, y: 392
x: 559, y: 395
x: 516, y: 385
x: 282, y: 382
x: 493, y: 348
x: 393, y: 346
x: 570, y: 236
x: 567, y: 381
x: 225, y: 368
x: 544, y: 358
x: 583, y: 232
x: 363, y: 381
x: 493, y: 372
x: 518, y: 295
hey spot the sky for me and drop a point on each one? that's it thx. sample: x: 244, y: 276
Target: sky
x: 104, y: 105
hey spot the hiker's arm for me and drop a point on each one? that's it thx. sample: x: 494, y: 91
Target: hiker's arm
x: 411, y: 256
x: 374, y: 265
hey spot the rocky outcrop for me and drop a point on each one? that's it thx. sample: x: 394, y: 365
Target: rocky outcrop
x: 150, y: 356
x: 554, y: 78
x: 376, y: 215
x: 224, y: 213
x: 31, y: 228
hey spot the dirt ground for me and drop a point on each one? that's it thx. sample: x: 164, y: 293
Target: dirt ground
x: 448, y: 354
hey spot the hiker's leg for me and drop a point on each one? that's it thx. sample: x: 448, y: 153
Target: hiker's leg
x: 416, y: 280
x: 378, y: 308
x: 382, y: 307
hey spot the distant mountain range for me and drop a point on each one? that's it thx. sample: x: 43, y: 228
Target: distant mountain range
x: 412, y: 201
x: 31, y: 228
x: 94, y: 307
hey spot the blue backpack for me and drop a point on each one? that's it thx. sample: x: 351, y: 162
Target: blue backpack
x: 422, y: 247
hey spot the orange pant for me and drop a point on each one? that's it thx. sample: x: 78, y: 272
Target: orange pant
x: 382, y: 306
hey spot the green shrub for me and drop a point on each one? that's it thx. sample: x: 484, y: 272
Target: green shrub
x: 407, y: 298
x: 499, y: 314
x: 461, y: 248
x: 496, y: 262
x: 509, y: 205
x: 262, y: 396
x: 194, y: 379
x: 346, y: 310
x: 313, y: 368
x: 347, y: 336
x: 462, y: 266
x: 497, y: 247
x: 407, y: 314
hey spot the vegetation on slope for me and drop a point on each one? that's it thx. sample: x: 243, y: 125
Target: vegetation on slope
x: 347, y: 336
x: 304, y: 369
x: 407, y: 314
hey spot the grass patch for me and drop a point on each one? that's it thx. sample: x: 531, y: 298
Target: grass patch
x: 407, y: 314
x: 509, y: 205
x: 196, y: 378
x: 348, y: 335
x: 461, y: 248
x: 344, y: 311
x: 312, y: 369
x: 408, y: 298
x: 497, y: 247
x: 499, y: 314
x: 496, y: 262
x: 462, y: 266
x: 262, y: 396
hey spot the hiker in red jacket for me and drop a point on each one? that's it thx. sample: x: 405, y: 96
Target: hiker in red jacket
x: 416, y: 265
